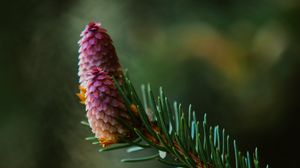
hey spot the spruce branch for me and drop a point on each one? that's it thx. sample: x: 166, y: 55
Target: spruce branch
x: 179, y: 135
x: 171, y: 130
x: 121, y: 119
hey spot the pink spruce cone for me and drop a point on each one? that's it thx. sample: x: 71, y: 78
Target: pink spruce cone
x: 103, y: 105
x: 96, y: 50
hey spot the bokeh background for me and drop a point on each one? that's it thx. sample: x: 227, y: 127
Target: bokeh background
x: 237, y: 61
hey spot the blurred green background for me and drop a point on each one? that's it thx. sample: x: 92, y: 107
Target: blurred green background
x: 237, y: 61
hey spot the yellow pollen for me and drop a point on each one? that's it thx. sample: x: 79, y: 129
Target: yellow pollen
x: 81, y: 94
x: 106, y: 142
x: 134, y: 109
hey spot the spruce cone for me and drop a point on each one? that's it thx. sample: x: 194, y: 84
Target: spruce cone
x: 96, y: 50
x: 103, y: 105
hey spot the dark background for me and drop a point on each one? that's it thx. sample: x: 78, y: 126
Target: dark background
x: 237, y: 61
